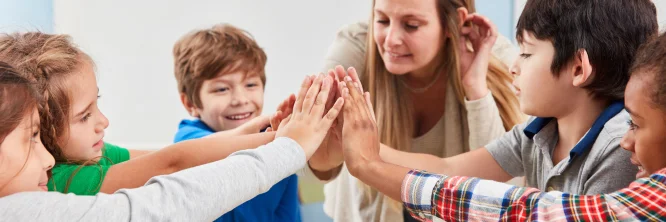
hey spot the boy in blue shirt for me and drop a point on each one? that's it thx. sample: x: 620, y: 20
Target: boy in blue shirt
x: 221, y: 79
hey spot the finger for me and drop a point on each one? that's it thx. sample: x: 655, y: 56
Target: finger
x: 275, y: 121
x: 298, y: 104
x: 356, y: 99
x: 368, y: 101
x: 269, y: 129
x: 354, y: 75
x: 320, y: 101
x: 334, y: 88
x: 332, y: 114
x: 355, y: 93
x: 311, y: 95
x: 285, y: 121
x: 340, y: 72
x: 348, y: 108
x: 290, y: 107
x: 257, y: 124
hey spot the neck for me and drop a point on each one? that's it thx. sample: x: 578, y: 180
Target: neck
x: 572, y: 126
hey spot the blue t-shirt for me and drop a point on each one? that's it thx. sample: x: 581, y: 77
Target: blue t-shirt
x: 280, y: 203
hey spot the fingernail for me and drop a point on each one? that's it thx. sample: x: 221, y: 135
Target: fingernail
x: 348, y: 79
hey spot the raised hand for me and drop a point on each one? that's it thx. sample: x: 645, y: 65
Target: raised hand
x: 360, y: 138
x: 307, y: 124
x: 283, y: 111
x: 474, y: 62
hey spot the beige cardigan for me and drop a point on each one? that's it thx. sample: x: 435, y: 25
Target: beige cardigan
x: 461, y: 128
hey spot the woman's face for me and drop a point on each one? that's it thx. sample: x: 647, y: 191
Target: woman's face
x: 408, y: 34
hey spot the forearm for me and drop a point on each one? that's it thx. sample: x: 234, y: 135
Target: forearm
x: 198, y: 194
x: 385, y: 177
x: 135, y: 172
x: 205, y: 150
x: 476, y: 163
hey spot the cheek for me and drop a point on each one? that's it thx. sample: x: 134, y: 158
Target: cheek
x: 379, y: 37
x: 650, y: 150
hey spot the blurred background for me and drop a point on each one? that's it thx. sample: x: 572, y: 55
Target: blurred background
x: 131, y: 43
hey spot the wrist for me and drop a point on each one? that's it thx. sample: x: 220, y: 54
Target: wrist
x: 475, y: 91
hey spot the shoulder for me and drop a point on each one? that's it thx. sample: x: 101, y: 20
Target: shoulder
x: 191, y: 129
x: 617, y: 126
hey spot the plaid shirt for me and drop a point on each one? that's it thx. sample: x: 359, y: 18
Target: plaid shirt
x: 472, y: 199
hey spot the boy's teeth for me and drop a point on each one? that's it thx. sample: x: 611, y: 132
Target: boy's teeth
x: 242, y: 116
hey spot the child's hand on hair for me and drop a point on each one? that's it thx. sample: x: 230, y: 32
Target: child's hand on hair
x: 474, y: 62
x: 360, y: 137
x: 307, y: 124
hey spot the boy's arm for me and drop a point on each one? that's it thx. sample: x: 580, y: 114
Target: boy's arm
x: 475, y: 163
x: 462, y: 199
x: 135, y: 172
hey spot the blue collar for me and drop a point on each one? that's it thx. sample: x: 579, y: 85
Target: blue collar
x: 588, y: 140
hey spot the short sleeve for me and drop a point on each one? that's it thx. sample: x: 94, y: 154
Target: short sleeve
x: 507, y: 150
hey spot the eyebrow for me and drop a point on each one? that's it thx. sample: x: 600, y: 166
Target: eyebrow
x: 633, y: 114
x: 87, y: 107
x: 409, y: 14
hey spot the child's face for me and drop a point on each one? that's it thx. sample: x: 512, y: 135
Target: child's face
x: 404, y: 32
x: 24, y: 160
x: 645, y: 138
x: 230, y: 100
x: 86, y: 121
x: 540, y: 93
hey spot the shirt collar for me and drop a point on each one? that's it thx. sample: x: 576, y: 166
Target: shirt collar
x: 588, y: 140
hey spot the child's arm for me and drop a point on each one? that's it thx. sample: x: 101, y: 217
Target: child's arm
x: 473, y: 199
x: 135, y: 172
x: 253, y: 126
x: 201, y: 193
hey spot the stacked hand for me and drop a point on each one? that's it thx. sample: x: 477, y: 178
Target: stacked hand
x: 353, y: 136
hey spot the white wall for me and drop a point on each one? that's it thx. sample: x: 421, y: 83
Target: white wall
x: 131, y: 43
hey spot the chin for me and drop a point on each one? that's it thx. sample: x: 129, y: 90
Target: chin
x: 397, y: 69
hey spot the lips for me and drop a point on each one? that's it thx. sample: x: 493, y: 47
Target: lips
x: 641, y: 170
x: 240, y: 116
x: 395, y: 55
x: 43, y: 186
x: 98, y: 145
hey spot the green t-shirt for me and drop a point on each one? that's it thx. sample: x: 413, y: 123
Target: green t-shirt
x: 89, y: 178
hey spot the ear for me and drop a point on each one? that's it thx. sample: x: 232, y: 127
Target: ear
x: 462, y: 16
x: 582, y: 69
x: 189, y: 106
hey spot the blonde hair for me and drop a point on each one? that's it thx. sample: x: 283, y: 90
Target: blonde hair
x: 389, y: 97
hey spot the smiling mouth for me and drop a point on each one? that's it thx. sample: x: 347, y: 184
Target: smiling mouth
x: 241, y: 116
x: 397, y: 55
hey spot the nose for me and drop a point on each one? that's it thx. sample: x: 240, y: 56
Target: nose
x: 239, y: 98
x: 102, y: 123
x: 394, y: 36
x: 45, y: 157
x: 628, y: 141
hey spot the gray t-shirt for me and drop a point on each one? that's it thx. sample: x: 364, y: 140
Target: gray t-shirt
x: 201, y: 193
x: 595, y: 165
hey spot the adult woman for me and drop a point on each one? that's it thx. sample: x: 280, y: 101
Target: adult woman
x: 429, y: 90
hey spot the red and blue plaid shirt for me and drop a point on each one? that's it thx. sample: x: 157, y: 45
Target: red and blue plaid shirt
x: 472, y: 199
